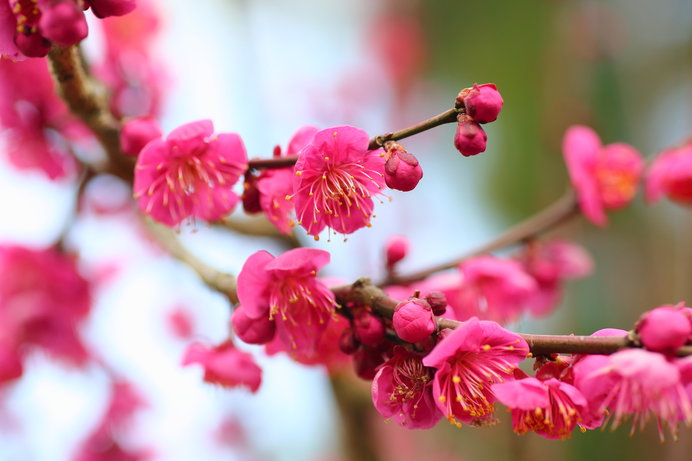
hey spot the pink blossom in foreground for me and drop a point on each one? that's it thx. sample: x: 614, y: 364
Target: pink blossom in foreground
x: 469, y: 360
x: 190, y: 174
x: 276, y: 184
x: 550, y: 408
x: 666, y: 328
x: 285, y: 290
x: 670, y: 175
x: 36, y: 123
x: 550, y: 264
x: 335, y: 178
x: 634, y: 383
x: 43, y: 301
x: 402, y: 389
x: 225, y: 365
x: 604, y: 177
x: 491, y: 288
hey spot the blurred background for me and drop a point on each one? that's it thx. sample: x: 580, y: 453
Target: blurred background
x: 263, y: 68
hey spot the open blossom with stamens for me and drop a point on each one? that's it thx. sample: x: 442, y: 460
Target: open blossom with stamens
x: 286, y: 291
x: 336, y: 176
x: 190, y: 174
x: 636, y: 383
x: 402, y: 389
x: 469, y: 360
x: 604, y: 177
x: 550, y: 408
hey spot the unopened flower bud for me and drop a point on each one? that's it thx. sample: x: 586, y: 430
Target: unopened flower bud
x: 252, y: 331
x: 664, y: 329
x: 369, y: 328
x: 401, y: 169
x: 413, y: 320
x: 251, y: 194
x: 396, y: 249
x: 366, y: 361
x: 470, y: 138
x: 348, y: 343
x: 137, y: 133
x: 63, y: 23
x: 482, y: 102
x: 437, y: 301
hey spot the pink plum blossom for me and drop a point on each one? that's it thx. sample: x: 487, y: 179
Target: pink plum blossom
x: 190, y: 174
x: 670, y: 175
x: 402, y: 389
x: 604, y: 177
x: 285, y: 290
x: 43, y: 301
x: 336, y: 176
x: 225, y: 365
x: 634, y: 383
x: 275, y: 184
x: 550, y: 264
x: 550, y: 408
x: 491, y: 288
x: 469, y: 360
x: 368, y: 327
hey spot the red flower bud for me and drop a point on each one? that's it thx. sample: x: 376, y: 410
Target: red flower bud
x: 665, y: 328
x: 348, y: 343
x: 482, y: 102
x: 369, y: 328
x: 401, y: 169
x: 437, y: 301
x: 251, y: 194
x: 470, y: 138
x: 413, y: 320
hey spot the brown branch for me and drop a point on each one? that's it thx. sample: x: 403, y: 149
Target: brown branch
x: 366, y: 293
x: 557, y: 213
x: 376, y: 142
x: 258, y: 227
x: 215, y: 279
x: 87, y: 100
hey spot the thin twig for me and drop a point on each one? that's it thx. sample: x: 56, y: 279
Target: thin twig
x: 557, y: 213
x: 214, y: 278
x: 376, y: 142
x: 364, y: 292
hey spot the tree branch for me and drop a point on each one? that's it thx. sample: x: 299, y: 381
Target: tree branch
x: 364, y: 292
x: 557, y: 213
x: 215, y: 279
x: 376, y: 142
x: 87, y: 100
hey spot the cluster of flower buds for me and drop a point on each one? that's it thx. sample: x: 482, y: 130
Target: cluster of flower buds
x: 29, y: 27
x: 481, y: 104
